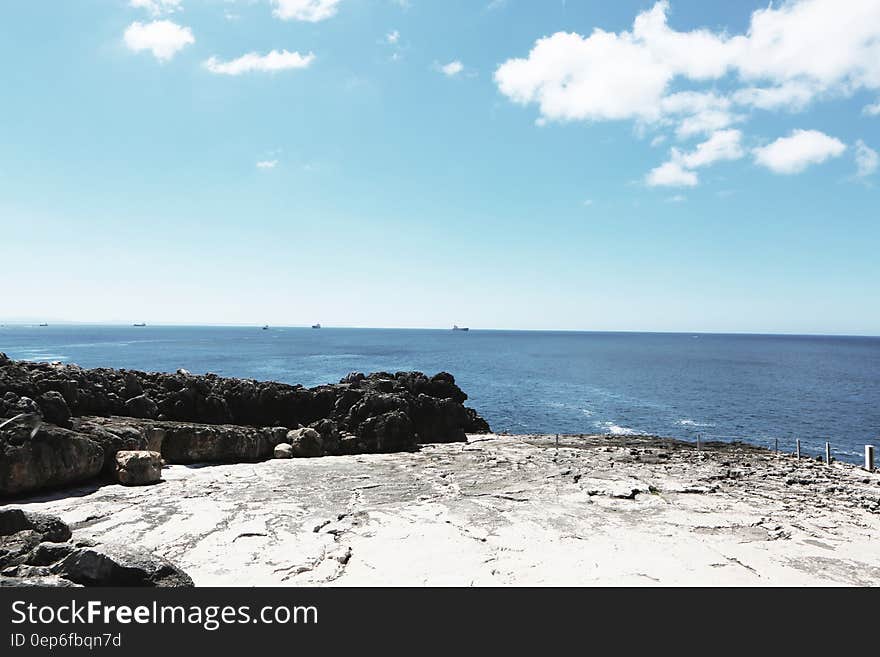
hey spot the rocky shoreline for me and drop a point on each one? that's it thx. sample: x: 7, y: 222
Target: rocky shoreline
x: 413, y: 490
x: 62, y: 424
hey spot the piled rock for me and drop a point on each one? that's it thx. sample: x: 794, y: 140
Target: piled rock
x: 67, y: 424
x: 37, y: 550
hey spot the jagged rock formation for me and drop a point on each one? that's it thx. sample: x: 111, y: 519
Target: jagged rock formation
x: 66, y: 424
x: 37, y: 550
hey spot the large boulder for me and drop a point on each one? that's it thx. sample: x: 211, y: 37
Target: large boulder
x: 21, y: 532
x: 52, y: 457
x: 192, y: 443
x: 35, y: 550
x: 15, y: 548
x: 113, y: 435
x: 142, y: 406
x: 305, y: 443
x: 283, y: 451
x: 118, y: 565
x: 49, y: 527
x: 54, y: 408
x: 138, y: 468
x: 388, y: 432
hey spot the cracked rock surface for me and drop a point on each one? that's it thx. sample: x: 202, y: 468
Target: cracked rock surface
x: 501, y: 510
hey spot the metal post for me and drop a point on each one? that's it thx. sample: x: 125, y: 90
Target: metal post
x: 828, y: 453
x: 869, y: 458
x: 797, y: 448
x: 776, y: 448
x: 699, y: 444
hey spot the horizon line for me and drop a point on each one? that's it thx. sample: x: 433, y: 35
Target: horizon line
x: 35, y: 323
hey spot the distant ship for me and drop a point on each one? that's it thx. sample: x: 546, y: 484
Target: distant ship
x: 44, y: 324
x: 266, y: 327
x: 139, y: 324
x: 456, y: 327
x: 316, y: 326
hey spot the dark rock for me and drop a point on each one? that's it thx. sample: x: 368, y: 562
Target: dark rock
x: 132, y: 386
x: 51, y: 581
x: 26, y: 570
x: 353, y: 377
x: 52, y: 457
x: 142, y: 406
x: 192, y: 418
x: 45, y: 554
x: 330, y: 435
x: 14, y: 548
x: 388, y: 432
x: 189, y: 443
x: 55, y: 409
x: 50, y: 528
x: 113, y: 437
x: 117, y: 565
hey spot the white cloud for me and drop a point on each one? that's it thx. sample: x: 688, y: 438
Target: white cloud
x: 276, y: 60
x: 790, y: 55
x: 698, y: 113
x: 571, y: 77
x: 671, y: 174
x: 722, y: 145
x: 163, y: 38
x: 392, y: 37
x: 310, y: 11
x: 267, y: 164
x: 867, y: 159
x: 452, y: 68
x: 799, y: 150
x: 872, y: 110
x: 792, y: 96
x: 157, y: 7
x: 678, y: 198
x: 678, y: 171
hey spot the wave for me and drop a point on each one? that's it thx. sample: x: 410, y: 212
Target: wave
x: 616, y: 430
x: 687, y: 422
x: 40, y: 356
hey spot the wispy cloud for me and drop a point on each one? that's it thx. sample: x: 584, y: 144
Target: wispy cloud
x: 867, y: 159
x: 267, y: 164
x: 157, y: 7
x: 451, y: 69
x: 311, y: 11
x: 274, y: 61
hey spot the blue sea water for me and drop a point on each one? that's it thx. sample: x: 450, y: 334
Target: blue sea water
x: 757, y: 388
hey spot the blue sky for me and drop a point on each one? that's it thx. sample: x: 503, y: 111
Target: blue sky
x: 689, y: 166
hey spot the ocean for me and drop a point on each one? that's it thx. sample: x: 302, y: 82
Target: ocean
x: 755, y: 388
